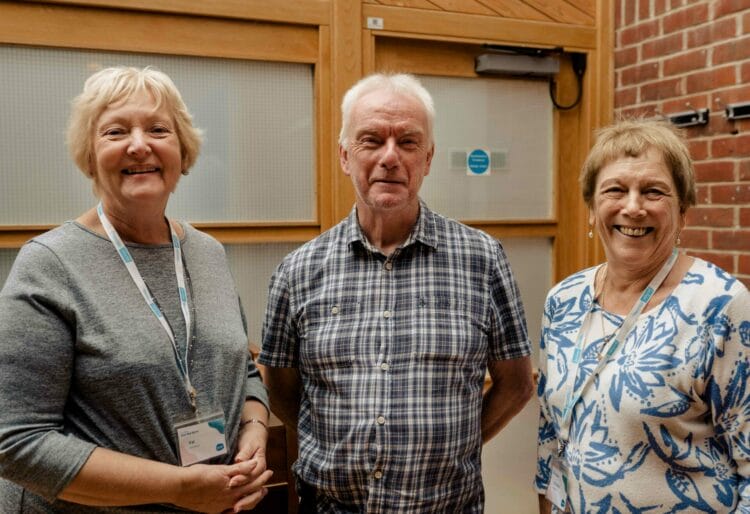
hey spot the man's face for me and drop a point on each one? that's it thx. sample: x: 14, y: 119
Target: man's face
x: 388, y: 151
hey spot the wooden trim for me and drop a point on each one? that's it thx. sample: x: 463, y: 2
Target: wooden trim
x: 77, y: 27
x: 325, y: 156
x: 249, y: 233
x: 14, y: 236
x: 347, y: 66
x: 505, y: 229
x: 425, y: 57
x: 476, y: 28
x: 308, y: 12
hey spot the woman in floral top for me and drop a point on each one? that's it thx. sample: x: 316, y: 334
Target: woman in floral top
x: 645, y: 405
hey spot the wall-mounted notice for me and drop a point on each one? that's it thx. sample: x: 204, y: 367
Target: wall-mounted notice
x: 478, y: 162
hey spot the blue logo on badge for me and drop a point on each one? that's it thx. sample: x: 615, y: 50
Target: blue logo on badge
x: 219, y: 447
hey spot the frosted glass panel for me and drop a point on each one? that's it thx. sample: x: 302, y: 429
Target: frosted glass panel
x: 7, y: 256
x: 258, y: 157
x: 531, y: 261
x: 252, y: 266
x: 511, y: 120
x: 508, y: 487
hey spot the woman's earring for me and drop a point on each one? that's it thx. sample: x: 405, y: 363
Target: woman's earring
x: 677, y: 243
x: 591, y: 233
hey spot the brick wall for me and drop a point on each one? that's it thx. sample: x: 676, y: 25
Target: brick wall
x: 677, y: 55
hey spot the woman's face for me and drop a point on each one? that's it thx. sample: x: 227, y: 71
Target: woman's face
x: 137, y: 157
x: 636, y: 211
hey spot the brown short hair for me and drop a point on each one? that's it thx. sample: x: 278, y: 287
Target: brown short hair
x: 111, y: 85
x: 632, y: 138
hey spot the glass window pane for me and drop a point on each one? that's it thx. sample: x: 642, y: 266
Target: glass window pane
x: 252, y: 266
x: 258, y: 158
x: 507, y: 487
x: 511, y: 119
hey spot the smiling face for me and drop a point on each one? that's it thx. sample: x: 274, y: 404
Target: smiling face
x: 389, y: 152
x: 136, y: 154
x: 636, y: 211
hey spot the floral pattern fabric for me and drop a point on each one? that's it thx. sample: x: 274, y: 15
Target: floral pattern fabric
x: 664, y: 426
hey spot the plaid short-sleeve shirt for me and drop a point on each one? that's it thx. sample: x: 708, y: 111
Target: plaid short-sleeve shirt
x: 392, y: 353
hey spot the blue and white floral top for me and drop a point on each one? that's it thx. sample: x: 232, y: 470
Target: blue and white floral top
x: 665, y: 426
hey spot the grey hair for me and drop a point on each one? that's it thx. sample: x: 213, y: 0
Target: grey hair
x: 401, y: 83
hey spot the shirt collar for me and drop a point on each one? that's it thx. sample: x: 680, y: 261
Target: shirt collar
x: 424, y: 230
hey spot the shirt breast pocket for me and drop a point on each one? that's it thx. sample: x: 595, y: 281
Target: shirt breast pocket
x: 331, y: 335
x: 449, y: 330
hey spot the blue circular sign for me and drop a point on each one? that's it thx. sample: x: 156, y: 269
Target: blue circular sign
x: 478, y: 162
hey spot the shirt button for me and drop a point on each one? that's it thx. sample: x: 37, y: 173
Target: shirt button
x: 378, y: 475
x: 386, y: 314
x: 381, y: 420
x: 388, y: 265
x: 384, y: 366
x: 335, y: 309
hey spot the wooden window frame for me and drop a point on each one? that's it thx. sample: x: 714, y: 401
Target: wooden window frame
x: 250, y: 29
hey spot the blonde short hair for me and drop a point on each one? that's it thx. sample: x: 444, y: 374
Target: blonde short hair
x: 632, y: 138
x: 118, y: 83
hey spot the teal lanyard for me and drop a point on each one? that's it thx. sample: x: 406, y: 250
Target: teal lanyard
x: 127, y: 260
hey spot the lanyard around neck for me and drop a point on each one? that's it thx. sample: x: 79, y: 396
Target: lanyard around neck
x: 572, y: 397
x: 127, y: 260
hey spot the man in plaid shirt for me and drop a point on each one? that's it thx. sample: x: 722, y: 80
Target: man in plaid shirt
x: 379, y: 332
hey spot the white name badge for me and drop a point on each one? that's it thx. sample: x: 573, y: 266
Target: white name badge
x: 558, y: 486
x: 201, y: 439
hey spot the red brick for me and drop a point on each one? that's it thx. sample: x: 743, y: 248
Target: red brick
x: 732, y: 51
x: 641, y: 111
x: 629, y: 9
x: 745, y: 169
x: 723, y: 260
x: 712, y: 79
x: 736, y: 146
x: 746, y: 23
x: 729, y: 96
x: 711, y: 33
x: 663, y: 46
x: 718, y: 125
x: 689, y: 61
x: 639, y: 33
x: 698, y: 149
x: 723, y: 7
x: 644, y: 9
x: 737, y: 194
x: 745, y: 73
x: 703, y: 194
x: 618, y: 15
x: 687, y: 17
x: 714, y: 171
x: 694, y: 238
x: 689, y: 103
x: 626, y: 56
x: 660, y: 7
x: 626, y: 97
x: 661, y: 90
x: 730, y: 239
x: 744, y: 265
x: 638, y: 74
x: 711, y: 217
